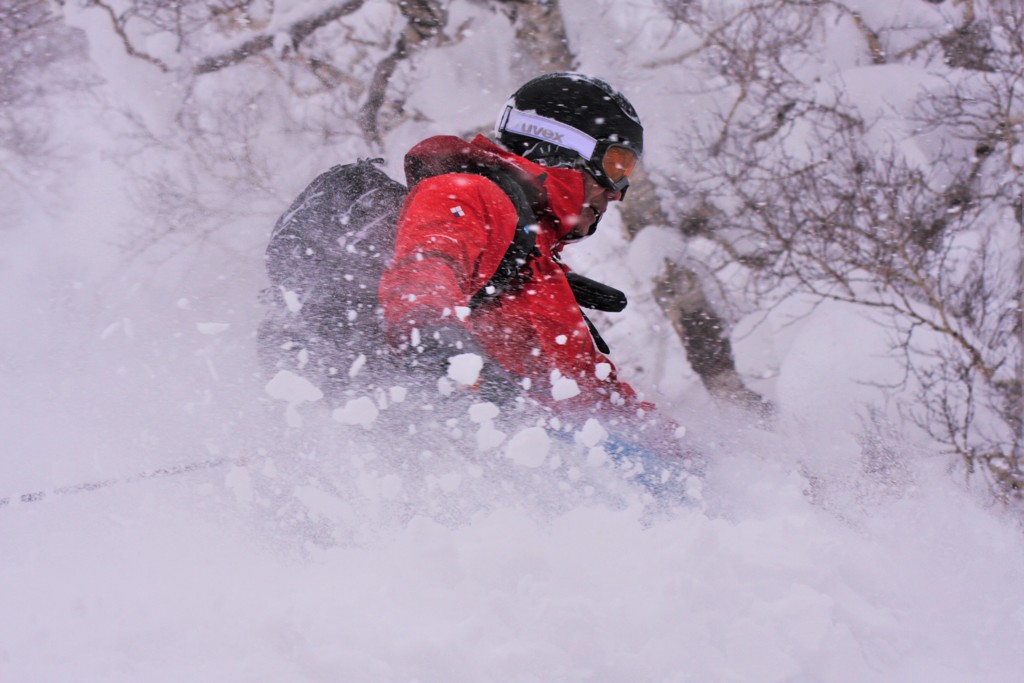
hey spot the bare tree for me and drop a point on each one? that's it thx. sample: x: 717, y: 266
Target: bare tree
x: 37, y: 60
x: 796, y: 184
x: 326, y: 76
x: 295, y: 52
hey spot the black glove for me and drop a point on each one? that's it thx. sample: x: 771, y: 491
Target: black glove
x: 440, y: 344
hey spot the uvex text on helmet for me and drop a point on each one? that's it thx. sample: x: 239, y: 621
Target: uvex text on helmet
x: 565, y: 119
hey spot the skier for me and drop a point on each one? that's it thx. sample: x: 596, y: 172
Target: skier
x: 569, y: 142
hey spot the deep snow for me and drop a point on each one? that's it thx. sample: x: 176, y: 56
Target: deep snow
x: 327, y: 548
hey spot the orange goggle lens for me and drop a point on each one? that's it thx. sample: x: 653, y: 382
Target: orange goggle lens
x: 618, y: 163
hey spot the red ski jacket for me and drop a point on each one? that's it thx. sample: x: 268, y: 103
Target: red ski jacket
x: 453, y: 232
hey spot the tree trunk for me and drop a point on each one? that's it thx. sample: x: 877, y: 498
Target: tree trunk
x: 540, y: 29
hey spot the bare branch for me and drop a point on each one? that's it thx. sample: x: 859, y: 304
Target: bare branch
x: 427, y: 20
x: 297, y: 33
x: 874, y: 44
x: 118, y: 26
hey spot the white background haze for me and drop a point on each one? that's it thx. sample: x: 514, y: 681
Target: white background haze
x: 130, y: 264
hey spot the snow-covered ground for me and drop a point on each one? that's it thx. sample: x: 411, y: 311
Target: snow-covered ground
x: 218, y: 542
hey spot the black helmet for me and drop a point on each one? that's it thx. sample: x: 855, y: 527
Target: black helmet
x: 569, y: 119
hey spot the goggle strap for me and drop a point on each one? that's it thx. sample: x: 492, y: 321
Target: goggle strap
x: 547, y: 130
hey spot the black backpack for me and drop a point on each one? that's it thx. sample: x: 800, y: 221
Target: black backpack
x: 325, y: 259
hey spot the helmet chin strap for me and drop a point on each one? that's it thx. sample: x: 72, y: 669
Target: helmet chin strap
x: 570, y: 238
x: 576, y: 163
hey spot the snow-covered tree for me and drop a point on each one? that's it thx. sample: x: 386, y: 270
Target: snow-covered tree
x: 875, y: 160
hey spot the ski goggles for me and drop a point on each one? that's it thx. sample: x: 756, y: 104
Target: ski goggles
x: 610, y: 163
x: 615, y: 162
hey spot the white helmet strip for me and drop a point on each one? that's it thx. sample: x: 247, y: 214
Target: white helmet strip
x: 547, y: 130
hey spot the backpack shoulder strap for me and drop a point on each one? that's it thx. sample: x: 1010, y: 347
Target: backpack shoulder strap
x: 524, y: 242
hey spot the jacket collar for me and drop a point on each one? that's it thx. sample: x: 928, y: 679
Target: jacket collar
x: 555, y: 191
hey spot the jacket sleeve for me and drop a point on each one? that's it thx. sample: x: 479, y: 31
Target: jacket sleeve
x: 453, y: 232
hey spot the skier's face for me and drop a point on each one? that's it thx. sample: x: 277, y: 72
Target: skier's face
x: 595, y: 203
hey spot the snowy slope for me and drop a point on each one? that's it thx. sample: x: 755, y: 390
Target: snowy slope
x: 338, y: 552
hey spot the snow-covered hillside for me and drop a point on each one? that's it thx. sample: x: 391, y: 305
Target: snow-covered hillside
x: 164, y: 518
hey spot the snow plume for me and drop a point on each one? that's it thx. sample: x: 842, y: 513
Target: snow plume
x: 170, y: 512
x: 379, y: 541
x: 459, y: 546
x: 337, y: 553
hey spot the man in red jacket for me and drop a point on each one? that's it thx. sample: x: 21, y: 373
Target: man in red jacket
x: 569, y: 142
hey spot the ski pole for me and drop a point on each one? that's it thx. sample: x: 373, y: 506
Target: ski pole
x: 197, y: 466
